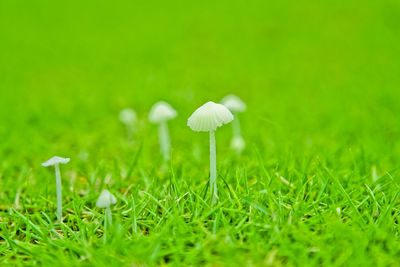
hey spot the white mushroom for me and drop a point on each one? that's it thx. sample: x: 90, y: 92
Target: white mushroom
x: 235, y: 105
x: 105, y: 200
x: 238, y: 144
x: 56, y: 161
x: 129, y: 118
x: 208, y: 118
x: 160, y: 113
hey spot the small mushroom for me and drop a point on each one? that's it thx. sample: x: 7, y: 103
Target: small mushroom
x: 235, y: 105
x: 237, y: 144
x: 56, y: 161
x: 208, y: 118
x: 129, y: 118
x: 160, y: 113
x: 105, y: 200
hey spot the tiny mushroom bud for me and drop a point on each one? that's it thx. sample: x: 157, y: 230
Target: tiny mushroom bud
x: 236, y: 105
x: 56, y: 161
x: 159, y: 114
x: 105, y: 200
x: 238, y: 143
x: 208, y: 118
x: 129, y: 118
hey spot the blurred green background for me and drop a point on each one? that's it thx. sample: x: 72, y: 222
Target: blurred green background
x: 321, y: 80
x: 322, y: 74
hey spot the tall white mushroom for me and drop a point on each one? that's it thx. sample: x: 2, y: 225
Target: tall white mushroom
x: 129, y: 118
x: 208, y: 118
x: 235, y: 105
x: 56, y: 161
x: 160, y: 113
x: 105, y: 200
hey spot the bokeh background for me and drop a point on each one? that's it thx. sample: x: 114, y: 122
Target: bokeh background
x: 319, y: 78
x: 322, y: 83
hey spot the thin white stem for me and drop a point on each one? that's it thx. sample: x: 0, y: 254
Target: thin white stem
x: 236, y: 126
x: 165, y: 143
x: 129, y: 131
x: 17, y: 196
x: 107, y: 223
x: 213, y: 166
x: 59, y: 194
x: 105, y: 229
x: 134, y: 215
x: 237, y: 142
x: 109, y: 217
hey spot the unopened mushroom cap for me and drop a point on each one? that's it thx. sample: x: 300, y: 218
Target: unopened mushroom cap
x: 106, y: 199
x: 238, y: 144
x: 161, y: 111
x: 55, y: 160
x: 209, y: 116
x: 128, y: 116
x: 234, y: 103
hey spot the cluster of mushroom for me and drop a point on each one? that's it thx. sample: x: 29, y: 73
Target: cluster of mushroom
x: 206, y: 118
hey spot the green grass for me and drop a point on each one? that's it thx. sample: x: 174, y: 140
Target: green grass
x: 322, y: 84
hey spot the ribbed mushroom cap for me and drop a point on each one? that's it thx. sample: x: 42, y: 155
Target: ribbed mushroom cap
x: 106, y: 199
x: 128, y: 116
x: 55, y: 160
x: 209, y: 116
x: 234, y: 103
x: 161, y: 111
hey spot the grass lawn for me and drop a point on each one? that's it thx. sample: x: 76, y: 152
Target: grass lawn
x: 319, y: 180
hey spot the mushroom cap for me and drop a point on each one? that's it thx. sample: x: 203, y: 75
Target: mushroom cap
x: 128, y: 116
x: 209, y: 116
x: 161, y: 111
x: 55, y: 160
x: 106, y: 199
x: 234, y: 103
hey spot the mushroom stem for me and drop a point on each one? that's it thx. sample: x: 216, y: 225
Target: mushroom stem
x: 213, y: 167
x: 129, y: 131
x: 236, y: 126
x: 108, y: 217
x: 59, y: 196
x: 107, y: 223
x: 163, y: 135
x: 17, y: 197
